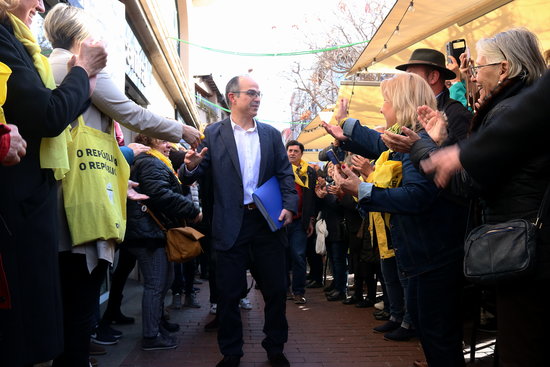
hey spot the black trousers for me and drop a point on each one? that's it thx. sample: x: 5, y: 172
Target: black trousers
x: 125, y: 265
x: 262, y: 251
x: 314, y: 260
x: 523, y: 323
x: 80, y: 294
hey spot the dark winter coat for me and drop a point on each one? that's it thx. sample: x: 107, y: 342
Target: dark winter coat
x: 427, y: 230
x: 519, y: 191
x: 166, y: 200
x: 31, y: 331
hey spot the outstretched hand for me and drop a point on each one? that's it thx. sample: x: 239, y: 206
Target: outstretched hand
x: 132, y: 194
x: 335, y: 130
x: 193, y: 158
x: 191, y: 136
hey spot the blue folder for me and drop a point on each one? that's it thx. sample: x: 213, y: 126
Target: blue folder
x: 269, y: 201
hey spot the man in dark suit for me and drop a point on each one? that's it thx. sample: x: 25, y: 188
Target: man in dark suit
x: 240, y: 154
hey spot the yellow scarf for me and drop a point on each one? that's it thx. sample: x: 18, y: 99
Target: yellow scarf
x: 53, y: 151
x: 300, y: 173
x: 164, y: 159
x: 5, y: 73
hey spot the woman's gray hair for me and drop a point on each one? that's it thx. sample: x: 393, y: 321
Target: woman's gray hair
x: 66, y: 26
x: 520, y: 48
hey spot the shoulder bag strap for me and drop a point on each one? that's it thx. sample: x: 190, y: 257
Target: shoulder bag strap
x: 543, y: 208
x: 155, y: 218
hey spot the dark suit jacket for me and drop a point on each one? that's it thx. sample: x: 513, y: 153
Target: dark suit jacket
x: 28, y: 217
x: 222, y: 164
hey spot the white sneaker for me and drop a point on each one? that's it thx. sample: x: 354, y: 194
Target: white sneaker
x: 213, y: 308
x: 379, y: 305
x: 245, y: 304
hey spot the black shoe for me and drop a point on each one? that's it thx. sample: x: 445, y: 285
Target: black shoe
x: 400, y: 334
x: 382, y: 316
x: 102, y: 336
x: 365, y: 303
x: 329, y: 288
x: 229, y: 361
x: 314, y: 284
x: 278, y: 360
x: 170, y: 326
x: 387, y: 327
x: 336, y: 296
x: 352, y: 300
x: 212, y: 325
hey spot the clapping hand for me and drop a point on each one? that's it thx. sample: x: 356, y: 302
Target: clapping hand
x: 347, y: 180
x: 434, y: 122
x: 444, y: 163
x: 362, y: 165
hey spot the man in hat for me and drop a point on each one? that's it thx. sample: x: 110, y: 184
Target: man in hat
x: 430, y: 65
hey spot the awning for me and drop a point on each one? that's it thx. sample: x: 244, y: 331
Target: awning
x: 364, y: 105
x: 434, y: 23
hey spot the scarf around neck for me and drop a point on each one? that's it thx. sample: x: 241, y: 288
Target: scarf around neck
x: 5, y: 73
x: 53, y: 151
x: 300, y: 174
x: 157, y: 154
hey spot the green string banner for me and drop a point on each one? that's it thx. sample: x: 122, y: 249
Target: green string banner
x: 294, y: 53
x: 261, y: 120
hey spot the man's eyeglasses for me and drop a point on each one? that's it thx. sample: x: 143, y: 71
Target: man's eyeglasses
x: 251, y: 93
x: 474, y: 69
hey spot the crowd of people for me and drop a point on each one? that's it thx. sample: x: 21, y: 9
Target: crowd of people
x: 390, y: 205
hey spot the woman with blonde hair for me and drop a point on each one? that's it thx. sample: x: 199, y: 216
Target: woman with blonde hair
x: 31, y: 330
x: 426, y: 229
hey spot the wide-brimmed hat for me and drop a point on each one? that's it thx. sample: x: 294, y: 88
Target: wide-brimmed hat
x: 429, y: 57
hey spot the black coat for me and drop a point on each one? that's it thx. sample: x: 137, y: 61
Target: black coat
x: 516, y: 190
x: 309, y: 199
x: 31, y: 331
x: 458, y: 117
x: 166, y: 201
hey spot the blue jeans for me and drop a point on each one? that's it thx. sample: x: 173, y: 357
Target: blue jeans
x: 435, y: 304
x: 395, y: 288
x: 158, y: 275
x: 297, y: 240
x: 337, y: 251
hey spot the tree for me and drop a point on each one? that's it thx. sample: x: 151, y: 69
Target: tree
x: 317, y: 83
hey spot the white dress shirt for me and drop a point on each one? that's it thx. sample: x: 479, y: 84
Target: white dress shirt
x: 248, y: 148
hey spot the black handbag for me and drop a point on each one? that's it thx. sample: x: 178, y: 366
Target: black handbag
x: 503, y: 251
